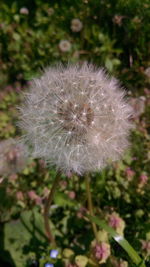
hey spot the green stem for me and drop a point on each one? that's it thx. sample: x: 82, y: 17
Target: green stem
x: 46, y: 210
x: 90, y: 205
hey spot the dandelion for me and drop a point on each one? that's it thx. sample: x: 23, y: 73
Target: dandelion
x: 76, y: 25
x: 24, y: 11
x: 64, y: 46
x: 76, y: 118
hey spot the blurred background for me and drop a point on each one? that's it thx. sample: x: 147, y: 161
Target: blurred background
x: 33, y: 35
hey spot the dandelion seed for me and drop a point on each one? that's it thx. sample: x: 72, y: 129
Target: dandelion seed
x: 93, y: 126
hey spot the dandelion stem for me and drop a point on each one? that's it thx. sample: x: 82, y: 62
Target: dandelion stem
x: 46, y: 210
x: 90, y: 205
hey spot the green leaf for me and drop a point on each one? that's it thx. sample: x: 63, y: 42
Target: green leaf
x: 23, y: 236
x: 62, y: 200
x: 120, y: 240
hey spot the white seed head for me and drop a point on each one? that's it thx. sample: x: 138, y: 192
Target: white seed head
x: 80, y: 128
x: 64, y: 46
x: 76, y: 25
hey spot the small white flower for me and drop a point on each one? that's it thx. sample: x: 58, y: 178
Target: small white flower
x: 76, y: 25
x: 64, y: 46
x: 76, y: 118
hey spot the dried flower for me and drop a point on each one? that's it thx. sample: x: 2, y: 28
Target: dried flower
x: 76, y: 118
x: 24, y: 11
x: 64, y: 46
x: 76, y: 25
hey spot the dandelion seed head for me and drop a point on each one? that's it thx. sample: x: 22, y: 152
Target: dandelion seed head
x: 24, y: 11
x: 76, y: 25
x: 73, y: 126
x: 64, y: 46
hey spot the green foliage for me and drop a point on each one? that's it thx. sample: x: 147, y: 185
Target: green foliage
x: 106, y: 37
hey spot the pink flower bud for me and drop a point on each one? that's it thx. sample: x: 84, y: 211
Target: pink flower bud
x: 116, y: 222
x: 34, y: 197
x: 130, y: 173
x: 143, y: 178
x: 101, y: 252
x: 71, y: 194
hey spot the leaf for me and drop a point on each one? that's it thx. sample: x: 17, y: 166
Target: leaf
x: 109, y: 64
x: 23, y: 236
x: 62, y: 199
